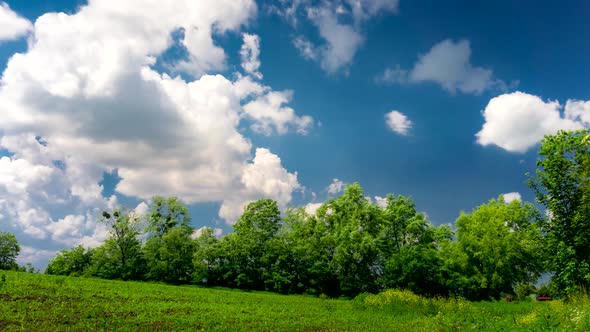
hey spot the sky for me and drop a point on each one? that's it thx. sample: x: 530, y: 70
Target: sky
x: 107, y: 103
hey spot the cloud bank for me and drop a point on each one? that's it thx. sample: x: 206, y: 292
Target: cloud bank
x: 85, y: 99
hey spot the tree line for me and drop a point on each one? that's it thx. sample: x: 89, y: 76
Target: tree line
x: 352, y: 245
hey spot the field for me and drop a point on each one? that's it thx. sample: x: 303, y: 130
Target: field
x: 50, y: 303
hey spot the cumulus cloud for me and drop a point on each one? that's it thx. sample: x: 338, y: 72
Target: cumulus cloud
x: 198, y: 232
x: 339, y: 23
x: 12, y: 26
x: 312, y: 208
x: 448, y: 64
x: 269, y: 113
x: 513, y: 196
x: 578, y: 110
x: 37, y: 257
x: 518, y: 121
x: 264, y: 177
x: 337, y: 186
x: 249, y: 53
x: 85, y: 99
x: 381, y: 201
x: 398, y: 122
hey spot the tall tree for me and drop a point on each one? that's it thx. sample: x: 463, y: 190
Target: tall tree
x: 9, y: 250
x: 169, y: 250
x: 409, y: 246
x: 251, y: 244
x: 166, y: 213
x: 170, y: 257
x: 562, y: 184
x: 120, y: 257
x: 498, y: 246
x: 350, y: 236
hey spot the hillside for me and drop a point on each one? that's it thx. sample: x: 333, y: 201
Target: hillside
x: 55, y: 303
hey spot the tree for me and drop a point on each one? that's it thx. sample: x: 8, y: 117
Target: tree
x: 72, y: 262
x: 409, y: 244
x: 167, y: 213
x: 120, y: 257
x: 498, y: 247
x: 562, y: 184
x: 250, y: 245
x: 170, y: 258
x: 353, y: 227
x: 9, y: 250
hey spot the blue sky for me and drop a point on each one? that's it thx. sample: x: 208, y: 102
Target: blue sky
x: 443, y: 101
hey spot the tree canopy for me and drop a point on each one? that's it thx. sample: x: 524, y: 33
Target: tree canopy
x: 562, y: 185
x: 9, y: 250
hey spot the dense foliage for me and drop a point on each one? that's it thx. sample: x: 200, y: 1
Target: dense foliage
x: 352, y: 245
x: 9, y: 249
x: 562, y: 184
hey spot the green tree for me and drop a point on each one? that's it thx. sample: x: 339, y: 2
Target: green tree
x: 410, y: 246
x: 250, y: 245
x: 167, y: 213
x: 562, y: 184
x: 120, y: 257
x: 72, y: 262
x: 498, y: 247
x: 169, y: 258
x: 9, y: 250
x: 169, y: 250
x: 206, y: 259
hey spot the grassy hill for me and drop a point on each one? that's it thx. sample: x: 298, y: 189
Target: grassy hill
x: 51, y: 303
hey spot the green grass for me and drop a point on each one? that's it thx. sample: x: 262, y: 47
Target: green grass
x: 51, y: 303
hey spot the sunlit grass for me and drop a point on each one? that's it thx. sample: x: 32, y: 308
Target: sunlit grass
x: 53, y: 303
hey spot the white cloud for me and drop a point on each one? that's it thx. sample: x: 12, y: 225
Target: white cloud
x: 305, y: 47
x: 312, y: 208
x: 578, y: 110
x: 37, y: 257
x: 342, y: 41
x: 393, y: 75
x: 249, y: 53
x: 264, y: 177
x: 268, y: 112
x: 518, y: 121
x: 87, y: 87
x: 12, y: 26
x: 381, y: 201
x: 448, y: 64
x: 141, y: 209
x: 339, y: 23
x: 198, y: 232
x: 398, y: 122
x: 337, y: 186
x: 510, y: 197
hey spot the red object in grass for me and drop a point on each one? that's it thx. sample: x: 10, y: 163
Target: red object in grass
x: 543, y: 297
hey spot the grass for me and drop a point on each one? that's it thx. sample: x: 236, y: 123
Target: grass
x: 52, y: 303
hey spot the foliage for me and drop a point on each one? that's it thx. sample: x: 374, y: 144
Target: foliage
x: 170, y: 257
x: 167, y: 213
x: 73, y: 262
x: 120, y: 257
x: 562, y: 184
x: 9, y: 250
x: 498, y: 246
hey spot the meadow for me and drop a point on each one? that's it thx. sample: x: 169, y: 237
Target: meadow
x: 38, y: 302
